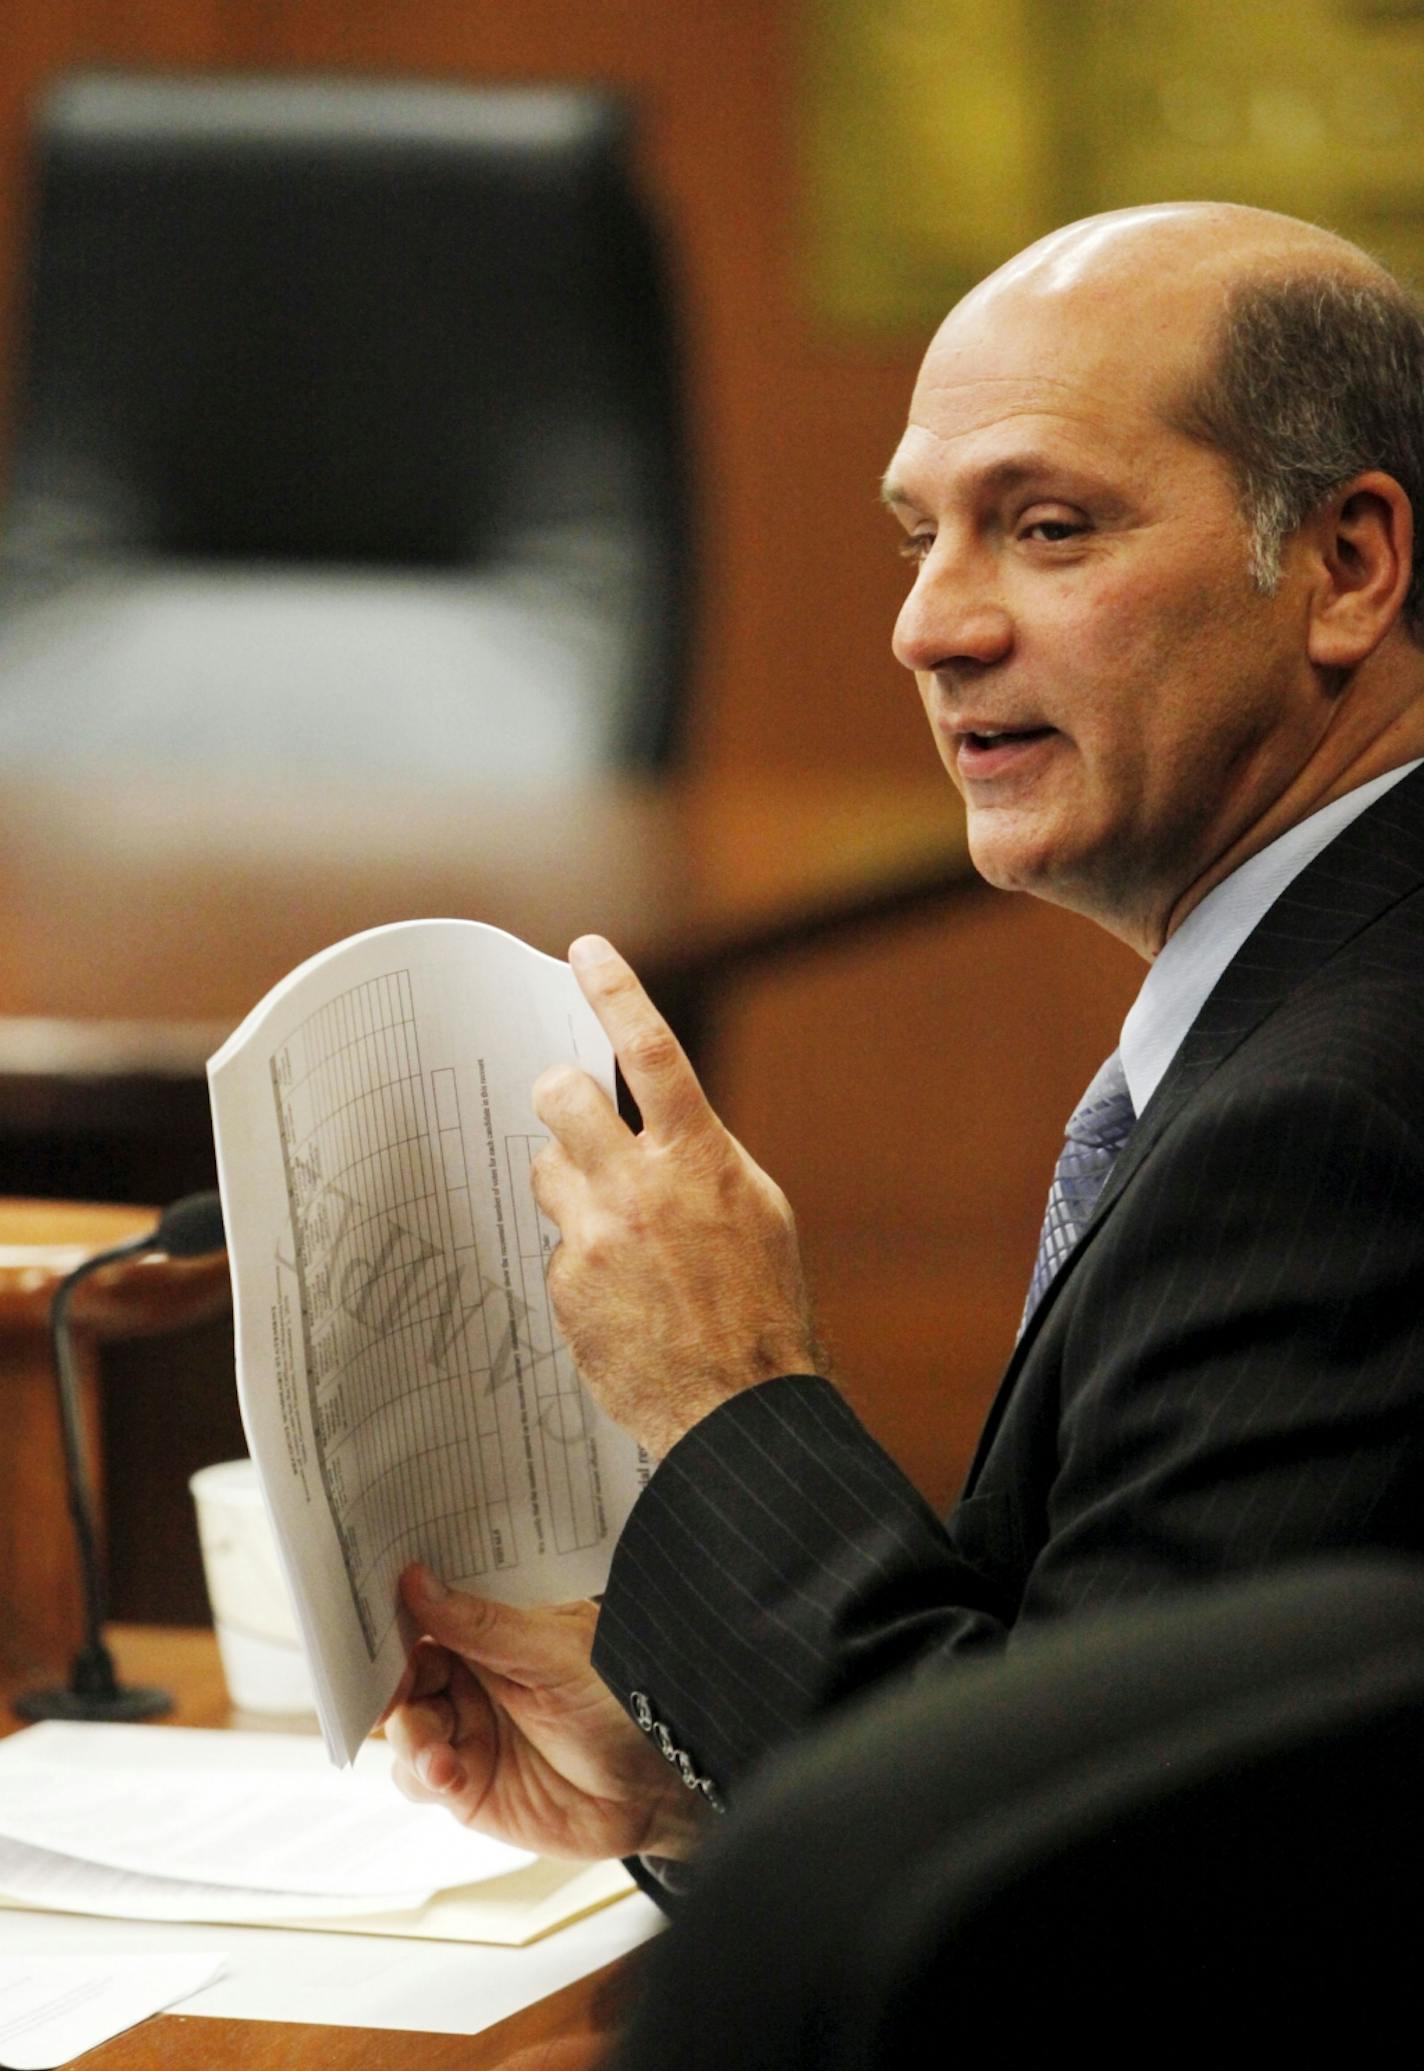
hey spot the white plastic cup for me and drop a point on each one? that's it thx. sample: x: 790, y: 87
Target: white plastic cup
x: 262, y: 1658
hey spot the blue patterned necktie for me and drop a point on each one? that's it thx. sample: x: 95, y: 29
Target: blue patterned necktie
x: 1097, y: 1129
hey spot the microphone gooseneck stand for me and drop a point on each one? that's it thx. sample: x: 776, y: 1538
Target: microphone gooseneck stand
x: 191, y: 1228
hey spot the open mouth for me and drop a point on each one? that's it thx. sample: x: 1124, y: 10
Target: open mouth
x: 1010, y: 734
x: 984, y: 756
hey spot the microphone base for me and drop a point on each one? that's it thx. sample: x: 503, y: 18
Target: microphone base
x: 122, y: 1707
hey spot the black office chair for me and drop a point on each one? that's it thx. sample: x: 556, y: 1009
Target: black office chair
x: 348, y: 434
x: 1139, y: 1838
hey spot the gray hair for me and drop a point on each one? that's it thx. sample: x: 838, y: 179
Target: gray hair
x: 1316, y: 378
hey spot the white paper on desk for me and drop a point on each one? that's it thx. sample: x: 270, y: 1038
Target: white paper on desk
x: 526, y: 1906
x: 510, y: 1911
x: 404, y: 1391
x: 517, y: 1900
x: 38, y: 1877
x: 221, y: 1809
x: 53, y: 2008
x: 350, y: 1981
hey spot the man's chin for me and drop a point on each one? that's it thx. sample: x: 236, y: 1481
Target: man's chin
x: 1045, y: 872
x: 1010, y: 864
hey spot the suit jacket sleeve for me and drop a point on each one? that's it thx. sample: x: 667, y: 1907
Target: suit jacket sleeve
x: 1228, y: 1374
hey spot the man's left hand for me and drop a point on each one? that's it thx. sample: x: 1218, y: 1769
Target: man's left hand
x: 678, y: 1281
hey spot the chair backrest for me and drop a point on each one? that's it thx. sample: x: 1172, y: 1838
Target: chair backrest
x: 307, y: 324
x: 1136, y: 1831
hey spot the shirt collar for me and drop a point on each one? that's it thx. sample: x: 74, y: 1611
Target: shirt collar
x: 1187, y: 967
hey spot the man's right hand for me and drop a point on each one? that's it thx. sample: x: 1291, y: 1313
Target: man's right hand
x: 501, y: 1718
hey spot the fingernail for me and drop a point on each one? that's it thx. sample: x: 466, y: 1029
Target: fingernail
x: 591, y: 949
x: 424, y: 1764
x: 429, y: 1584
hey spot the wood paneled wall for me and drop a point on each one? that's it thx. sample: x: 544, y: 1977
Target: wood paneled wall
x: 908, y: 1092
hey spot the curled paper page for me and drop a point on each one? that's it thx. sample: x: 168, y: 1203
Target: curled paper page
x: 405, y: 1392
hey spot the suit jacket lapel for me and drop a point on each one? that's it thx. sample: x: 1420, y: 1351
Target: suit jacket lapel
x: 1378, y: 860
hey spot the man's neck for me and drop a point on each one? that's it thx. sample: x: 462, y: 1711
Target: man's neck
x: 1350, y: 754
x: 1186, y: 971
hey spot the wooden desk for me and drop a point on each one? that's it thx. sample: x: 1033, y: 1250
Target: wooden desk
x: 579, y: 2020
x: 140, y: 919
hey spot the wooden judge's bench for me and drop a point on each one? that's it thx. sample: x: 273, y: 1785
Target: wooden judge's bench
x: 141, y: 918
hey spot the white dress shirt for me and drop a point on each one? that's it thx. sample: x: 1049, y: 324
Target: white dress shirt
x: 1190, y: 961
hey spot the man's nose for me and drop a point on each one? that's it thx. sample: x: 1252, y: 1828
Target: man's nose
x: 951, y: 615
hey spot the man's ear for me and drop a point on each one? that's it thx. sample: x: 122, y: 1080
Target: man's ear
x: 1364, y: 540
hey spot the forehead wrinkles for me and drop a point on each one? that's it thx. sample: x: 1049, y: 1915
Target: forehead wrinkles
x: 954, y: 410
x: 1096, y: 347
x: 1007, y: 434
x: 1106, y: 385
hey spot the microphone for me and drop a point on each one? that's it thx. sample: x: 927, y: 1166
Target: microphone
x: 191, y: 1228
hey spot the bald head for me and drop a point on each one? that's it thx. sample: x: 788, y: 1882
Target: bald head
x: 1175, y: 253
x: 1151, y: 285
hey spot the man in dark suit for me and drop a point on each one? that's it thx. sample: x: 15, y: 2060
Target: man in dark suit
x: 1158, y: 490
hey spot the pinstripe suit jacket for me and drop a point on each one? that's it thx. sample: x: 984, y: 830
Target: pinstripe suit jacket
x: 1227, y: 1373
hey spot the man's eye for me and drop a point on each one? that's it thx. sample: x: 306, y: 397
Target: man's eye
x: 916, y: 546
x: 1053, y: 530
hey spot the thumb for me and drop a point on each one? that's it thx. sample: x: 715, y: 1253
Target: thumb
x: 534, y: 1646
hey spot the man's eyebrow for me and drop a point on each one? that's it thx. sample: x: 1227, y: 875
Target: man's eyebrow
x: 1009, y: 473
